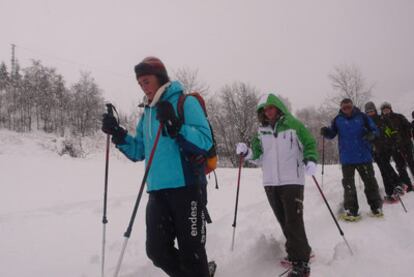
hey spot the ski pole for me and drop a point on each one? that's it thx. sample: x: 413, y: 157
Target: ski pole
x: 109, y: 108
x: 323, y: 158
x: 333, y: 217
x: 237, y: 202
x: 127, y: 233
x: 402, y: 204
x: 215, y: 177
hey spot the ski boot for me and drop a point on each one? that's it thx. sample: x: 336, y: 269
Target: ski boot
x: 398, y: 191
x: 299, y: 269
x: 287, y: 263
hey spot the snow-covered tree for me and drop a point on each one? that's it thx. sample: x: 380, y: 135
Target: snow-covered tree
x: 233, y: 117
x: 348, y: 82
x: 87, y: 105
x: 4, y: 84
x: 314, y: 119
x: 190, y: 81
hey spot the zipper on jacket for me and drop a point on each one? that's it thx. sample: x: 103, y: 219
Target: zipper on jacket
x: 297, y: 167
x: 275, y: 130
x: 277, y: 158
x: 291, y: 140
x: 300, y: 147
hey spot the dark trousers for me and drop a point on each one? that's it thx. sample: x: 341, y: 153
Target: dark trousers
x: 177, y: 214
x: 403, y: 157
x: 287, y: 205
x: 390, y: 178
x: 366, y: 171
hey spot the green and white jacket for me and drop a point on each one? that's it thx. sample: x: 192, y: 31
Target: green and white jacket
x: 283, y: 150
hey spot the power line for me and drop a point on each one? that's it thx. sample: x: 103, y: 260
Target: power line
x: 67, y: 61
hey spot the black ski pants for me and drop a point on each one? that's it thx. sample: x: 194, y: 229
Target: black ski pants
x: 390, y: 178
x: 177, y: 214
x: 403, y: 157
x: 287, y: 205
x: 366, y: 171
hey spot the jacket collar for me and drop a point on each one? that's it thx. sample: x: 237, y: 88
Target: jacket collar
x: 157, y: 96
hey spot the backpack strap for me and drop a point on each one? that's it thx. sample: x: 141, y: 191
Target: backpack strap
x: 181, y: 100
x: 180, y: 107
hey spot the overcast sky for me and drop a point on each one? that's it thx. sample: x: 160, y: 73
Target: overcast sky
x: 287, y: 47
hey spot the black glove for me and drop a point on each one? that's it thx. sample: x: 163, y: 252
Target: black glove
x: 166, y: 116
x: 370, y: 137
x: 111, y: 126
x: 324, y: 131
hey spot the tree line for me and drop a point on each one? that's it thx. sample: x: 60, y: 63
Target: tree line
x: 37, y: 98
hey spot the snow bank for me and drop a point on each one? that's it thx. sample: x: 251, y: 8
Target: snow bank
x: 51, y: 212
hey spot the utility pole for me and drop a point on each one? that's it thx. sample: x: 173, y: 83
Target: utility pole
x: 13, y: 61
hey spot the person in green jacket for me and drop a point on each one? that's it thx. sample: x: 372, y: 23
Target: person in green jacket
x: 286, y: 151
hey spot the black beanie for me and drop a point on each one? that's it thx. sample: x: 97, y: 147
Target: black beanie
x: 370, y: 107
x: 152, y: 66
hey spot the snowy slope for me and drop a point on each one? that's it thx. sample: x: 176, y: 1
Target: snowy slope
x: 51, y: 212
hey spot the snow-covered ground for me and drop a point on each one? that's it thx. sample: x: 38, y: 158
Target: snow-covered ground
x: 51, y: 212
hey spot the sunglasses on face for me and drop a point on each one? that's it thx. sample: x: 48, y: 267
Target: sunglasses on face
x: 346, y: 107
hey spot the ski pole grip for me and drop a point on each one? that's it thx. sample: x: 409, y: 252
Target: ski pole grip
x: 110, y: 108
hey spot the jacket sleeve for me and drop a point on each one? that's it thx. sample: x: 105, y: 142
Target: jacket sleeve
x: 332, y: 130
x: 195, y: 134
x: 133, y: 148
x: 310, y: 152
x: 406, y: 126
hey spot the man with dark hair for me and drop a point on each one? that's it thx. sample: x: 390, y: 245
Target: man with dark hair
x: 176, y: 205
x: 382, y: 150
x: 355, y: 132
x: 398, y: 130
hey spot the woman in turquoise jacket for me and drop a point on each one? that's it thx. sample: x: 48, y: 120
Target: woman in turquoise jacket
x: 176, y: 205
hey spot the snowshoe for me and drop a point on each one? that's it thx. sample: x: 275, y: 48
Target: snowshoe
x: 212, y: 266
x: 286, y: 263
x: 350, y: 217
x: 377, y: 213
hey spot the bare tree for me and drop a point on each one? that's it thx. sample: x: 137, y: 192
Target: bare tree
x: 314, y: 119
x: 348, y: 82
x: 189, y: 79
x: 233, y: 117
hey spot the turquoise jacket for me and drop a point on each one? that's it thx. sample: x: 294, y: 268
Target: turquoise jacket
x: 171, y: 167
